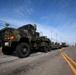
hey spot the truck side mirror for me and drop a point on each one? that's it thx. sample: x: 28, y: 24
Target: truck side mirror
x: 6, y: 24
x: 35, y: 27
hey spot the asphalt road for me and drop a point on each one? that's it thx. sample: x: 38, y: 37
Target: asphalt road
x: 51, y: 63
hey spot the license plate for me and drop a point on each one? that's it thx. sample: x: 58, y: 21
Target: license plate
x: 6, y: 43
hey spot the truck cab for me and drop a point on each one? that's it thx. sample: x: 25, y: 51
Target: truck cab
x: 21, y: 40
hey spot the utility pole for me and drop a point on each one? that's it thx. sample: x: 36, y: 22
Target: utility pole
x: 51, y: 34
x: 56, y: 37
x: 61, y: 40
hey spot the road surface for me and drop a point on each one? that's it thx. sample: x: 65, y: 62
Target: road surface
x: 55, y: 62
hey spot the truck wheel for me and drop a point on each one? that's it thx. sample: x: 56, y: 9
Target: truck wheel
x: 49, y: 48
x: 22, y: 50
x: 45, y: 49
x: 7, y: 50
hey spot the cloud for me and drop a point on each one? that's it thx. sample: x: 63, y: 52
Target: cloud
x: 19, y: 12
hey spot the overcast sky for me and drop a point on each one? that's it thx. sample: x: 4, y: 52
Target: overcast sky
x: 56, y: 15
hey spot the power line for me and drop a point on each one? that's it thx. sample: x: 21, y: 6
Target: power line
x: 6, y: 22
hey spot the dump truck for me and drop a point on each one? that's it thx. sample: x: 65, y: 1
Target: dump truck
x: 22, y: 40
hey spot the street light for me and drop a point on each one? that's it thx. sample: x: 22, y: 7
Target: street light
x: 61, y: 39
x: 51, y: 34
x: 56, y: 37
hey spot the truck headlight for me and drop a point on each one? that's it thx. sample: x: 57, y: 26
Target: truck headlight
x: 6, y: 43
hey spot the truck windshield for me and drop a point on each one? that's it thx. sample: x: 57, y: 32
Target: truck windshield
x: 27, y: 27
x: 23, y: 27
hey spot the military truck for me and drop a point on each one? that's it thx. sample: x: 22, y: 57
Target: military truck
x: 45, y: 43
x: 63, y: 44
x: 23, y: 40
x: 55, y: 45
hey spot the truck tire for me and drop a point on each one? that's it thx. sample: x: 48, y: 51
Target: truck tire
x: 45, y: 49
x: 49, y: 48
x: 7, y: 50
x: 22, y: 50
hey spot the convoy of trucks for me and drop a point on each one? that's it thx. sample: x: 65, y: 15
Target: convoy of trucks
x: 24, y: 39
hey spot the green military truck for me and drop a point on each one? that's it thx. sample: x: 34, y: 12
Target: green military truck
x: 55, y: 45
x: 23, y: 40
x: 45, y: 43
x: 63, y: 44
